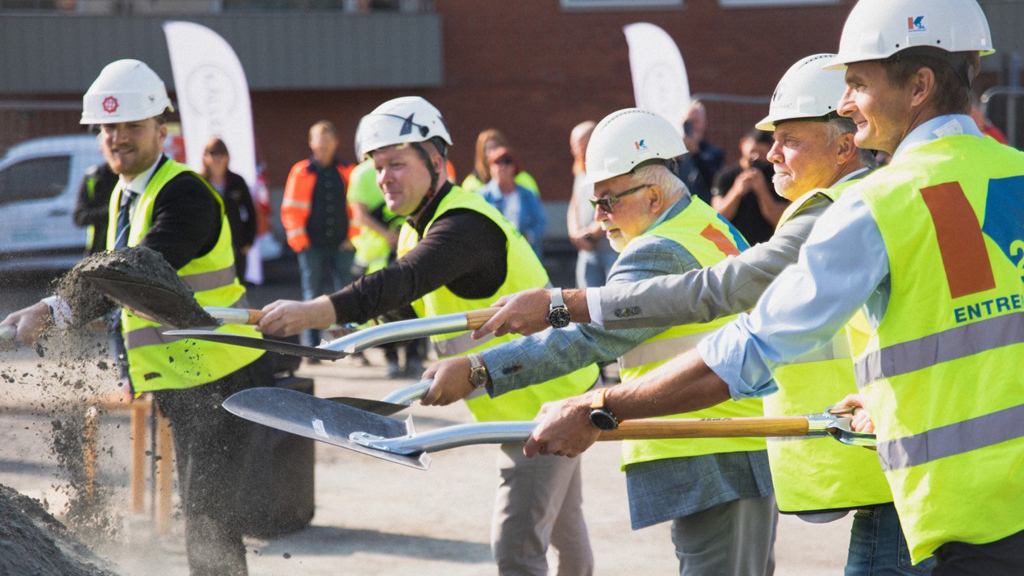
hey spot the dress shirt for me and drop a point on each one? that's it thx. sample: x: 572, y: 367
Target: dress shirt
x: 842, y: 267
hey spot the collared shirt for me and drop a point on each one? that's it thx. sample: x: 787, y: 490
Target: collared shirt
x: 659, y: 490
x: 138, y: 184
x: 842, y: 267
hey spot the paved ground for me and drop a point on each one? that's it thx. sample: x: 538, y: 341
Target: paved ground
x: 372, y: 517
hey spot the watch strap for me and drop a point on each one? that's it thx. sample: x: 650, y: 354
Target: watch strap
x: 556, y: 299
x: 598, y: 402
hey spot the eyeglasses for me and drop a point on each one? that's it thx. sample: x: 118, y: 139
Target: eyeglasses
x: 607, y: 203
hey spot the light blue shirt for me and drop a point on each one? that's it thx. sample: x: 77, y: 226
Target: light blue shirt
x: 843, y: 267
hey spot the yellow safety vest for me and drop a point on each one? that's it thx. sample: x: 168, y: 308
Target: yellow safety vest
x: 524, y: 271
x: 157, y: 361
x: 811, y: 474
x: 942, y: 372
x: 709, y: 238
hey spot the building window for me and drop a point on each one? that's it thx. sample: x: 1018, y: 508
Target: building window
x: 772, y: 3
x: 618, y: 4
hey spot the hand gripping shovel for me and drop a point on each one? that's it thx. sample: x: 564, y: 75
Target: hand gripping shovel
x: 397, y: 441
x: 356, y: 341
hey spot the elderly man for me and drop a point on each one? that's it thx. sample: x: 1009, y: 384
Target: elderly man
x: 716, y: 492
x: 815, y: 160
x: 929, y: 247
x: 457, y: 253
x: 161, y: 204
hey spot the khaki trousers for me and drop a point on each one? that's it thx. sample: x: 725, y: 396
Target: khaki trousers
x: 539, y: 503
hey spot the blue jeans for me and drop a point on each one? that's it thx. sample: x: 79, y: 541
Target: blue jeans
x: 592, y: 267
x: 323, y: 271
x: 878, y: 547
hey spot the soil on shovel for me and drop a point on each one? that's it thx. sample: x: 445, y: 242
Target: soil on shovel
x: 32, y: 542
x: 142, y: 265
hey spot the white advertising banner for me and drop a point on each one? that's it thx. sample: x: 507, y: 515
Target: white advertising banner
x: 213, y: 101
x: 660, y: 84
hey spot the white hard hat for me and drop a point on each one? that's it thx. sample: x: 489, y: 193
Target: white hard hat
x: 125, y: 91
x: 877, y: 29
x: 805, y: 91
x: 625, y: 139
x: 403, y: 120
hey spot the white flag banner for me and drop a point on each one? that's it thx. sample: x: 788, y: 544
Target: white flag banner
x: 660, y: 84
x: 213, y: 101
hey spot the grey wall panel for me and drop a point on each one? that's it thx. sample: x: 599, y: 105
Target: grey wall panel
x: 279, y: 51
x: 1005, y: 19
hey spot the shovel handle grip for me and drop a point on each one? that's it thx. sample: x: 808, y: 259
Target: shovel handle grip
x: 477, y: 318
x: 254, y: 316
x: 708, y: 428
x: 235, y: 315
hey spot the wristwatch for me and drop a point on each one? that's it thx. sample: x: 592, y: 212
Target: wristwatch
x: 478, y: 376
x: 600, y: 416
x: 558, y: 314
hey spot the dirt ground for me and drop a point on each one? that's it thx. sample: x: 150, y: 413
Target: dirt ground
x: 372, y: 517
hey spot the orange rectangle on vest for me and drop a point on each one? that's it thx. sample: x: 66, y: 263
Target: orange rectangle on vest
x: 961, y: 242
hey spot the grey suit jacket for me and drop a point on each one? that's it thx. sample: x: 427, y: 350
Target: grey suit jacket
x: 553, y: 353
x: 730, y: 287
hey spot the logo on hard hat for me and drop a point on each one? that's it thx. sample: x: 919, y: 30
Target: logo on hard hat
x: 641, y: 145
x: 916, y: 24
x: 110, y: 104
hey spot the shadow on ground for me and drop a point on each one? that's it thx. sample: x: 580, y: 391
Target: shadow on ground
x: 334, y: 541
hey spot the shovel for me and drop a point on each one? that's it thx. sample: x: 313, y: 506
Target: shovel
x: 356, y: 341
x: 170, y: 306
x: 396, y: 440
x: 392, y: 403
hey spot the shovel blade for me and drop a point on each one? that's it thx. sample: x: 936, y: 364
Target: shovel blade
x: 322, y: 420
x: 368, y: 405
x: 149, y: 299
x: 259, y: 343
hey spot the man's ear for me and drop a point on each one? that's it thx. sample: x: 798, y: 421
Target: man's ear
x: 847, y: 149
x: 922, y: 85
x: 656, y: 200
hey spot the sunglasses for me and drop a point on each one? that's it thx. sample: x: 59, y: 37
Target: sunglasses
x: 503, y: 162
x: 606, y: 203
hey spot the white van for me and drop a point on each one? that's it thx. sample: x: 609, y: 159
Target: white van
x: 39, y: 182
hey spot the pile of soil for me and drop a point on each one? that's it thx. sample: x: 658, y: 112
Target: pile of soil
x: 141, y: 266
x: 34, y: 543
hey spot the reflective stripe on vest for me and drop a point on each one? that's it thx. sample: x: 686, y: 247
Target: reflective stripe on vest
x: 708, y: 238
x: 155, y: 361
x: 942, y: 372
x: 815, y: 476
x: 523, y: 272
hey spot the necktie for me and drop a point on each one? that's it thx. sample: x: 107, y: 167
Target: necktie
x: 123, y: 220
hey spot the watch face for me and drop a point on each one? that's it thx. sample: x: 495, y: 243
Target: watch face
x: 559, y: 317
x: 603, y: 420
x: 478, y: 378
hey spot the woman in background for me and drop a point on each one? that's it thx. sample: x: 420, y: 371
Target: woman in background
x: 238, y: 204
x: 486, y: 142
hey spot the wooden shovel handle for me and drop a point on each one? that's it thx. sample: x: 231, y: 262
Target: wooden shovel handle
x: 254, y: 316
x: 477, y: 318
x: 708, y: 428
